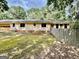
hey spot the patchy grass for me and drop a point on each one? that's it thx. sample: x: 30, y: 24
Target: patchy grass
x: 26, y: 42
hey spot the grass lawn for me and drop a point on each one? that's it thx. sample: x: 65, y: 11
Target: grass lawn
x: 26, y: 42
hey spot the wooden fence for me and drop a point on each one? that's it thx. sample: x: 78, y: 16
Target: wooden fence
x: 67, y: 35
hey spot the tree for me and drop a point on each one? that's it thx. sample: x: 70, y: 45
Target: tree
x: 62, y: 8
x: 17, y: 12
x: 59, y: 4
x: 35, y: 13
x: 3, y: 5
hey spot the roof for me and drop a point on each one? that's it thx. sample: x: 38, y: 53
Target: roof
x: 60, y: 22
x: 25, y: 21
x: 34, y: 21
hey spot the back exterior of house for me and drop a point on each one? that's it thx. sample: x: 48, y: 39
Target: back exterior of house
x: 32, y: 25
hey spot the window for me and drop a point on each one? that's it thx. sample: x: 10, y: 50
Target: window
x: 65, y: 25
x: 43, y: 25
x: 61, y: 24
x: 22, y: 25
x: 56, y: 25
x: 13, y: 24
x: 34, y: 24
x: 52, y: 25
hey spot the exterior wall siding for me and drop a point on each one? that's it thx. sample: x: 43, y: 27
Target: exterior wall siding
x: 28, y: 27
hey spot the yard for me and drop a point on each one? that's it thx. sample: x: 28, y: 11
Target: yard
x: 14, y: 44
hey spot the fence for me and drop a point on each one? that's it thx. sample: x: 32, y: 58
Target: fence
x: 67, y: 35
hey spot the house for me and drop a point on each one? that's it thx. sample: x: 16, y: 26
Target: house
x: 32, y: 25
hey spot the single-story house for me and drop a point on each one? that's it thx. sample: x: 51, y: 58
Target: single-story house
x: 32, y: 25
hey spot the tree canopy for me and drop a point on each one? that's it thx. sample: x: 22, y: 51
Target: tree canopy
x: 18, y: 12
x: 59, y: 4
x: 3, y: 5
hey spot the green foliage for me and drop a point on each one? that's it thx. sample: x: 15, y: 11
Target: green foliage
x: 13, y: 13
x: 76, y: 25
x: 18, y: 12
x: 54, y: 10
x: 34, y: 14
x: 60, y: 4
x: 5, y: 15
x: 3, y: 5
x: 47, y: 13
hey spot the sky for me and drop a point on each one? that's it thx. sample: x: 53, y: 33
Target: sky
x: 27, y: 4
